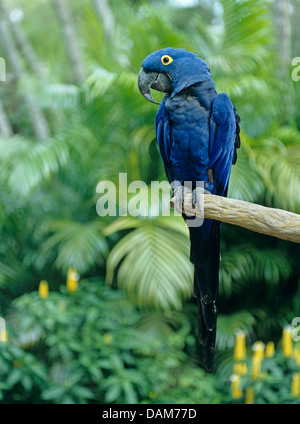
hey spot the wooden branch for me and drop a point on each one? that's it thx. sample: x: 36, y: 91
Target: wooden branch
x: 272, y: 222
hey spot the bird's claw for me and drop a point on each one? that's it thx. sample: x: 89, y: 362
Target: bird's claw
x: 197, y: 198
x: 180, y: 194
x: 194, y: 198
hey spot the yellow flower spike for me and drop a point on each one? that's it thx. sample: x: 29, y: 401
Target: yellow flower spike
x: 236, y: 368
x: 107, y: 339
x: 295, y: 388
x: 72, y: 280
x: 258, y: 350
x: 249, y: 396
x: 43, y: 289
x: 152, y: 395
x: 3, y: 332
x: 270, y: 350
x: 296, y: 355
x: 236, y: 392
x: 240, y: 368
x: 239, y: 346
x: 287, y: 342
x: 186, y: 382
x: 3, y: 336
x: 256, y: 368
x: 244, y: 369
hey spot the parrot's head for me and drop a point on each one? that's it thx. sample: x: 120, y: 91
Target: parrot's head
x: 170, y: 71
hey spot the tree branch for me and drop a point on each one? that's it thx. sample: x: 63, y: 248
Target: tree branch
x: 105, y: 15
x: 5, y: 127
x: 39, y: 120
x: 26, y: 48
x: 260, y: 219
x: 69, y: 32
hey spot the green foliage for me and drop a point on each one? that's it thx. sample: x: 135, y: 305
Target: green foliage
x: 91, y: 346
x: 148, y: 249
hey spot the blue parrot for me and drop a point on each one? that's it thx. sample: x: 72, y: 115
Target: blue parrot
x: 198, y: 135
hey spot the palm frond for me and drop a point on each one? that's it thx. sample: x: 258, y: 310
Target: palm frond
x: 74, y: 244
x: 229, y: 324
x: 242, y: 265
x: 279, y: 165
x: 152, y: 263
x: 245, y: 182
x: 25, y: 164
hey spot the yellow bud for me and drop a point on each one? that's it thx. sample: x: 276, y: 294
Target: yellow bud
x: 3, y: 332
x: 270, y: 350
x: 258, y: 350
x: 72, y: 280
x: 152, y: 395
x: 3, y: 335
x: 236, y: 392
x: 244, y: 369
x: 186, y: 382
x: 107, y: 339
x: 296, y: 355
x: 295, y: 389
x: 256, y: 368
x: 240, y: 368
x: 43, y: 289
x: 287, y: 342
x: 240, y: 346
x: 249, y: 396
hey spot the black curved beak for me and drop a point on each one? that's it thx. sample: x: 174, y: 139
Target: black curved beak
x: 157, y: 81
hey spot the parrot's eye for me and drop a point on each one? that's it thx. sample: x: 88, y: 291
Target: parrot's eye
x: 166, y: 59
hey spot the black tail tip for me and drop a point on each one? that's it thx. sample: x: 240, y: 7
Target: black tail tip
x: 208, y: 358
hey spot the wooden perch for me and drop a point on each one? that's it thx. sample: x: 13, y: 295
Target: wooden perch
x: 272, y: 222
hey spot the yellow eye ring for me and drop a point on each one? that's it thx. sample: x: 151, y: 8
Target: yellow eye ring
x: 166, y: 59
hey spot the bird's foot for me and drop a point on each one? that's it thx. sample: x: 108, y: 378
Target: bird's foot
x: 197, y: 196
x: 180, y: 193
x: 196, y: 199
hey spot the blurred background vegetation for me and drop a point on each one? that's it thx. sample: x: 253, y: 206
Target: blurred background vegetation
x: 71, y: 116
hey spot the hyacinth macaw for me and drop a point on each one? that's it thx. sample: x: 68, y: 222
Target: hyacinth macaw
x: 197, y: 132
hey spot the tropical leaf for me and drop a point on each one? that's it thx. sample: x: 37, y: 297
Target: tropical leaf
x: 152, y: 263
x: 245, y: 182
x: 279, y: 165
x: 243, y: 264
x: 228, y: 325
x: 25, y: 164
x: 75, y: 244
x: 60, y: 96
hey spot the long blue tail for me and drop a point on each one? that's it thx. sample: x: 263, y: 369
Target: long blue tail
x: 205, y: 255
